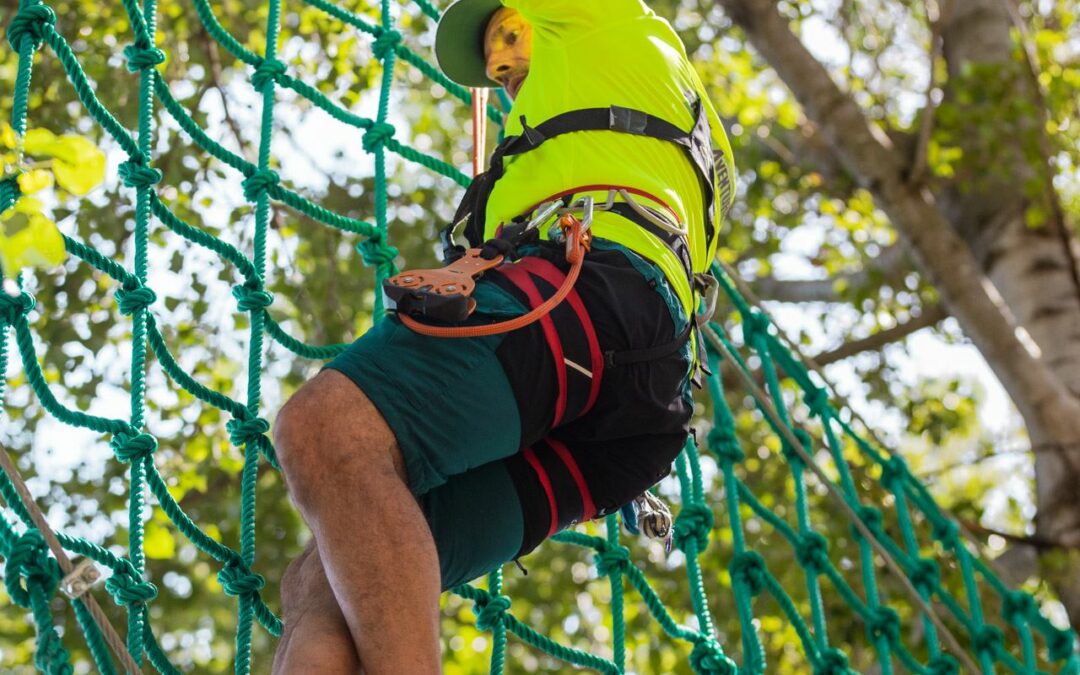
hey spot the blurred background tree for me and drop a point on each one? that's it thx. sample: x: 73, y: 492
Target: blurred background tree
x: 907, y: 177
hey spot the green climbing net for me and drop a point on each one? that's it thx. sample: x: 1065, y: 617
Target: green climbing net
x: 956, y: 631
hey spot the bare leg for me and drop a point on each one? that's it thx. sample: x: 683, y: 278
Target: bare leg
x: 347, y: 476
x: 316, y: 638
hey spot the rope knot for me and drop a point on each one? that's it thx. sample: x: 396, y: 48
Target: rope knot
x: 1060, y: 644
x: 833, y: 662
x: 893, y: 473
x: 128, y: 591
x: 132, y: 299
x: 28, y: 559
x: 725, y: 446
x: 9, y: 193
x: 987, y: 639
x: 130, y: 447
x: 377, y: 136
x: 1017, y: 606
x: 491, y: 611
x: 812, y: 552
x: 610, y: 560
x: 945, y: 531
x: 268, y: 70
x: 141, y: 58
x: 924, y: 574
x: 748, y: 568
x: 13, y: 307
x: 32, y: 22
x: 385, y: 43
x: 884, y: 622
x: 708, y: 658
x: 871, y: 517
x: 805, y: 440
x: 50, y: 655
x: 755, y: 325
x: 250, y: 298
x: 942, y: 664
x: 237, y: 579
x: 259, y: 182
x: 817, y: 399
x: 376, y: 253
x: 694, y: 522
x: 136, y: 174
x: 243, y: 432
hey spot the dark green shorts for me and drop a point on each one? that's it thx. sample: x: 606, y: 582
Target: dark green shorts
x: 495, y: 466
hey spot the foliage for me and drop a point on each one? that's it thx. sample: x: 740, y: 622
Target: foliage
x: 786, y: 199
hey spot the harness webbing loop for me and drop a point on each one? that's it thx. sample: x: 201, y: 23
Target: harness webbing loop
x: 520, y: 278
x: 551, y: 274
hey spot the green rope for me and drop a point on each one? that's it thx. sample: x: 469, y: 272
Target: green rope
x: 1021, y: 639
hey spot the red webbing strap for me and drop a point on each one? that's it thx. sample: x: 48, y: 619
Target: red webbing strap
x: 587, y: 505
x: 519, y: 276
x: 534, y: 462
x: 554, y: 276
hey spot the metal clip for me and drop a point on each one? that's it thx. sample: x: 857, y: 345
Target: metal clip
x: 544, y: 213
x: 586, y: 205
x: 711, y: 288
x: 81, y: 579
x: 644, y: 211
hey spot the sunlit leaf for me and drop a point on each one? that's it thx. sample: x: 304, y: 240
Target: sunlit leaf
x: 29, y: 238
x: 78, y: 163
x: 35, y: 181
x: 8, y: 138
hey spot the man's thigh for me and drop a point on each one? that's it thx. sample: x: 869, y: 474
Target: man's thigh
x: 447, y: 401
x: 473, y: 417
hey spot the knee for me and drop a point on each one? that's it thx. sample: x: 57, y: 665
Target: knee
x: 303, y: 432
x: 327, y: 424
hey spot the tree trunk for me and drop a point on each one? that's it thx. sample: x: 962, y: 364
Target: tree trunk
x: 998, y: 277
x: 1015, y: 229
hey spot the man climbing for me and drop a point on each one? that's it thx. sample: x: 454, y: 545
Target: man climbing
x: 423, y: 462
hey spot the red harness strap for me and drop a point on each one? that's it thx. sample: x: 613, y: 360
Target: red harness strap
x: 519, y: 276
x: 545, y: 481
x: 551, y: 274
x: 587, y: 506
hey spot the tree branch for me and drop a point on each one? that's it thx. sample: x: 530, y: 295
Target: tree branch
x: 1038, y: 542
x: 215, y: 76
x: 889, y: 266
x: 926, y: 127
x: 931, y: 315
x: 868, y: 153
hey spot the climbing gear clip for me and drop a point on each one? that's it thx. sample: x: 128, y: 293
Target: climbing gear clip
x: 571, y: 230
x: 441, y: 294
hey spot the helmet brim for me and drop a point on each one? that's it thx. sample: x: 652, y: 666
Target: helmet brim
x: 459, y: 42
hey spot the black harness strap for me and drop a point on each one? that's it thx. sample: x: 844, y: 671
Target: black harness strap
x: 673, y: 241
x: 614, y: 359
x: 697, y: 143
